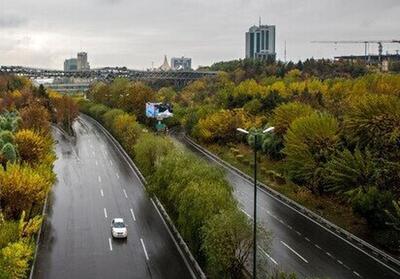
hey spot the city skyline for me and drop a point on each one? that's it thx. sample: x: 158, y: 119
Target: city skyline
x: 122, y: 33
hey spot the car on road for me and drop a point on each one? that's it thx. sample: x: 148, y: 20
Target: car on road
x: 118, y: 228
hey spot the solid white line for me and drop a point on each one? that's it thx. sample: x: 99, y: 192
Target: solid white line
x: 291, y: 249
x: 99, y: 178
x: 133, y: 215
x: 105, y: 212
x: 269, y: 257
x: 110, y: 244
x: 247, y: 214
x: 97, y: 163
x: 117, y: 175
x: 101, y: 192
x: 144, y: 249
x: 126, y: 196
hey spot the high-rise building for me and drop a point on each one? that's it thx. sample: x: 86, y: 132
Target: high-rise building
x: 71, y: 64
x: 181, y: 63
x: 83, y: 63
x: 165, y: 66
x: 260, y: 42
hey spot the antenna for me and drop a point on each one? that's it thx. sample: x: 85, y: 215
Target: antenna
x: 285, y: 51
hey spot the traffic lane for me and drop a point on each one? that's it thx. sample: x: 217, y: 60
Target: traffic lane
x: 165, y: 260
x: 69, y: 241
x: 126, y: 257
x: 342, y: 249
x: 349, y: 262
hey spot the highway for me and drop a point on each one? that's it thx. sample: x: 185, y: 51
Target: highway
x: 96, y: 184
x: 299, y: 244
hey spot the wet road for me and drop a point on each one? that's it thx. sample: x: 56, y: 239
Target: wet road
x: 299, y: 244
x: 96, y: 184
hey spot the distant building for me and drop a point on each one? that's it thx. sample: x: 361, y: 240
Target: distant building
x: 181, y: 63
x: 71, y: 64
x: 77, y: 64
x: 165, y: 66
x: 260, y: 42
x: 83, y: 64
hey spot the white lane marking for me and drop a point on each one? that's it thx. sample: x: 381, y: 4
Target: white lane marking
x: 133, y: 215
x: 291, y: 249
x: 144, y: 249
x: 110, y: 244
x: 94, y: 153
x: 111, y: 163
x: 117, y: 175
x: 316, y: 245
x: 340, y: 262
x: 97, y: 163
x: 126, y: 196
x: 101, y: 192
x: 329, y: 254
x: 91, y: 146
x: 247, y: 214
x: 99, y: 178
x: 269, y: 257
x: 299, y: 233
x: 306, y: 238
x: 105, y: 212
x: 357, y: 274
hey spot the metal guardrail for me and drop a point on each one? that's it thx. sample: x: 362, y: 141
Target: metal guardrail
x: 353, y: 240
x: 179, y: 241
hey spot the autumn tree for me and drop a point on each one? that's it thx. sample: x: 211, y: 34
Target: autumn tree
x: 32, y: 147
x: 36, y: 117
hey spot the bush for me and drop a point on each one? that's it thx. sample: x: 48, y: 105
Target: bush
x: 8, y: 153
x: 15, y: 259
x: 110, y: 116
x: 127, y: 131
x: 36, y: 117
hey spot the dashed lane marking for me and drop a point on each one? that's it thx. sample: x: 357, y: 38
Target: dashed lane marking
x: 110, y: 244
x: 133, y: 215
x: 144, y: 249
x: 297, y: 254
x: 99, y: 178
x: 126, y: 196
x: 101, y: 192
x: 105, y: 212
x: 268, y: 256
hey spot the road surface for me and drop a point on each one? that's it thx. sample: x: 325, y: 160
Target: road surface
x: 299, y: 244
x: 95, y: 184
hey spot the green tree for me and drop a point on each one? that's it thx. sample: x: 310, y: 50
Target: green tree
x: 309, y: 145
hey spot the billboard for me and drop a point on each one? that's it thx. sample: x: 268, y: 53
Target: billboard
x: 152, y: 110
x: 158, y: 110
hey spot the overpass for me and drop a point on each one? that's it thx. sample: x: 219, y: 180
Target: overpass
x: 109, y: 73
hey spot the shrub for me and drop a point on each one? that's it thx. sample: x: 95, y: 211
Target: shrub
x: 8, y: 153
x: 97, y: 111
x: 36, y: 117
x: 127, y: 131
x: 15, y: 259
x: 110, y: 116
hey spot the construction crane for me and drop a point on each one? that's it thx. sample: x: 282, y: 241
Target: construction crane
x: 366, y: 44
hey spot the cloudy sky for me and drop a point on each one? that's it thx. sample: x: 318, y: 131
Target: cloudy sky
x: 135, y: 33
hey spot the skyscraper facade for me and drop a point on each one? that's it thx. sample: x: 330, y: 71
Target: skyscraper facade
x: 83, y: 63
x: 181, y: 63
x: 70, y: 64
x: 260, y: 42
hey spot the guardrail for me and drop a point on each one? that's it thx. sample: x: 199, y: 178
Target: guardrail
x: 353, y: 240
x: 163, y: 213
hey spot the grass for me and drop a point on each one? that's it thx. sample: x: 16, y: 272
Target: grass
x: 270, y: 172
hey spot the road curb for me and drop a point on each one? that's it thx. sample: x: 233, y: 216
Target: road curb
x: 368, y: 249
x: 195, y: 268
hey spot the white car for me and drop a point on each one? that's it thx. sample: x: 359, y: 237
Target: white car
x: 118, y: 228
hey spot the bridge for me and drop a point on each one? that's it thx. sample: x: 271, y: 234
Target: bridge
x: 109, y: 73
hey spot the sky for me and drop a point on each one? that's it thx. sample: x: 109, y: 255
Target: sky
x: 137, y: 33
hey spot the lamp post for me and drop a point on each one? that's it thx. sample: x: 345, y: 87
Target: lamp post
x: 268, y: 130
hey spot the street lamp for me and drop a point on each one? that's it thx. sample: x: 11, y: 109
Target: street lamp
x: 268, y: 130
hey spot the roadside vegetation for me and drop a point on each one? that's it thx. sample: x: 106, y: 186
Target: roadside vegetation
x: 26, y: 170
x: 196, y: 195
x: 336, y: 144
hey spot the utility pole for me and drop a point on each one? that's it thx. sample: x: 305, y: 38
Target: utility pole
x: 285, y: 52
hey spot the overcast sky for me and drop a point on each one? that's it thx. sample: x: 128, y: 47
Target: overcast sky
x: 135, y: 33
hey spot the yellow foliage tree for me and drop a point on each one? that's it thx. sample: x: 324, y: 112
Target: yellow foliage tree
x: 22, y: 188
x: 31, y: 146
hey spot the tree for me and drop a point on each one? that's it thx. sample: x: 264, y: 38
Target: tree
x: 65, y: 111
x: 374, y: 121
x: 285, y: 114
x: 32, y: 147
x: 309, y: 145
x: 110, y: 116
x: 127, y: 130
x: 22, y: 188
x: 36, y: 117
x: 228, y: 242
